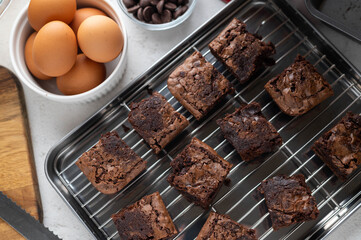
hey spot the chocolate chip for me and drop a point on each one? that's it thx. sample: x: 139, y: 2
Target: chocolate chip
x: 166, y: 16
x: 178, y: 13
x: 144, y: 3
x: 140, y: 14
x: 129, y: 3
x: 170, y: 6
x: 133, y: 9
x: 154, y: 2
x: 156, y: 18
x: 147, y: 13
x: 160, y: 6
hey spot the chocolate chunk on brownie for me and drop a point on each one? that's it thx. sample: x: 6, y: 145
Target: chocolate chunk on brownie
x: 156, y: 121
x: 147, y: 218
x: 299, y: 88
x: 197, y: 85
x: 110, y: 164
x: 220, y: 227
x: 241, y: 52
x: 249, y: 132
x: 198, y: 173
x: 288, y: 200
x: 340, y: 148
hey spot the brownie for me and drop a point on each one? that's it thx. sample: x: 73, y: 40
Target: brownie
x: 220, y: 227
x: 198, y: 172
x: 288, y: 200
x: 197, y: 85
x: 110, y: 164
x: 249, y: 132
x: 147, y: 218
x: 156, y: 121
x: 340, y: 148
x: 299, y: 88
x: 241, y: 52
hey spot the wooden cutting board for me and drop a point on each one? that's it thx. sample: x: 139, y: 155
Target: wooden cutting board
x: 17, y: 171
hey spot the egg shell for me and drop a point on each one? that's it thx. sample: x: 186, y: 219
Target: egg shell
x: 100, y: 38
x: 85, y: 75
x: 55, y: 49
x: 28, y: 51
x: 41, y: 12
x: 81, y: 15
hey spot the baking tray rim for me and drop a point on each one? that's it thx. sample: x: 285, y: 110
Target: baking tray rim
x: 170, y: 56
x: 330, y: 21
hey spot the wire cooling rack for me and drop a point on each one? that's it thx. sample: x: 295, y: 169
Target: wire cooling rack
x: 276, y: 22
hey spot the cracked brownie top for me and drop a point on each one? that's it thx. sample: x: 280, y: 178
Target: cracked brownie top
x: 288, y: 200
x: 156, y: 121
x: 220, y: 227
x: 197, y: 85
x: 340, y: 148
x: 250, y: 132
x: 110, y: 164
x: 198, y: 172
x: 147, y: 218
x: 242, y: 52
x: 299, y: 88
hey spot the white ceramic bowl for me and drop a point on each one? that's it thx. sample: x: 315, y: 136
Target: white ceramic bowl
x: 163, y: 26
x: 114, y: 69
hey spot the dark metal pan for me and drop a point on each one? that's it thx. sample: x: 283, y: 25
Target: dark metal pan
x: 343, y: 15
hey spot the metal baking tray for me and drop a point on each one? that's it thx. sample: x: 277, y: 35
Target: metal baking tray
x: 291, y: 33
x: 343, y: 15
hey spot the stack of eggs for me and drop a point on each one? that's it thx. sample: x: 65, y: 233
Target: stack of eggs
x: 71, y: 44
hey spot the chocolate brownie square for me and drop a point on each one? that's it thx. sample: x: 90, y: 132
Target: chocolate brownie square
x: 197, y: 85
x: 249, y: 132
x: 147, y: 218
x: 198, y: 173
x: 299, y: 88
x: 220, y: 227
x: 340, y: 148
x: 241, y: 52
x: 110, y: 164
x: 288, y: 200
x: 156, y: 121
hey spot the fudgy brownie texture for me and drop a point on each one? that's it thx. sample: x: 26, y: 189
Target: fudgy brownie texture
x: 340, y: 148
x: 146, y: 219
x: 198, y: 173
x: 197, y: 85
x: 156, y: 121
x: 249, y: 132
x: 299, y: 88
x: 243, y: 53
x: 288, y: 200
x: 110, y: 164
x: 221, y: 227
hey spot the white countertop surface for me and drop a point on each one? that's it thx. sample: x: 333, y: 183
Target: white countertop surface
x: 50, y: 121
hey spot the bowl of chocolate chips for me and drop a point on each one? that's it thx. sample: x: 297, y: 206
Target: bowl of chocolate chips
x: 157, y: 14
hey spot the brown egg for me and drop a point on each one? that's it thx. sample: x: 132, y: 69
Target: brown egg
x: 41, y: 12
x: 28, y: 52
x: 81, y: 15
x: 85, y: 75
x: 100, y: 38
x: 55, y: 49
